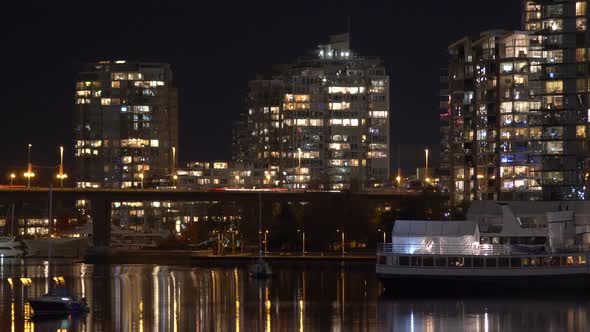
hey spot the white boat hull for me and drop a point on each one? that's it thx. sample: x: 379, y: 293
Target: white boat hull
x: 60, y: 247
x: 9, y: 247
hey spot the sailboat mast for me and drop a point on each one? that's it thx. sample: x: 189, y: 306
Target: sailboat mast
x: 50, y: 231
x: 260, y: 224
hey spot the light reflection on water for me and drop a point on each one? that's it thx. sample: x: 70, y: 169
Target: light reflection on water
x: 315, y: 297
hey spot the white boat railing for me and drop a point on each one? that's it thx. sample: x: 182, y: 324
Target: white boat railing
x: 481, y: 249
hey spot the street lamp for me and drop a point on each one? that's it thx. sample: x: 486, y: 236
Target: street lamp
x: 141, y: 178
x: 342, y: 239
x: 29, y: 174
x: 174, y: 176
x: 61, y: 176
x: 12, y: 177
x: 384, y: 240
x: 265, y: 242
x: 302, y: 241
x: 426, y: 165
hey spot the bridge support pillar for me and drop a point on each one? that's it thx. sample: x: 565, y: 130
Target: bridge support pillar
x: 101, y: 223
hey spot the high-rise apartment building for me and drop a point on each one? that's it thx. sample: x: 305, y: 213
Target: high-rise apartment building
x: 322, y: 121
x: 126, y: 124
x: 494, y: 145
x: 443, y: 114
x: 565, y: 105
x: 519, y: 108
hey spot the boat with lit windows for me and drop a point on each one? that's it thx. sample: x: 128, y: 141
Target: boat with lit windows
x: 450, y: 255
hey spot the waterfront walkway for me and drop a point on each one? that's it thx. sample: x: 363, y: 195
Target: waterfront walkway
x: 207, y: 257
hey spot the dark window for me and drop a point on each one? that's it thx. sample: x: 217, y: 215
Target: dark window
x: 439, y: 261
x: 427, y: 261
x: 382, y: 260
x: 416, y: 260
x: 515, y: 262
x: 503, y: 262
x: 477, y: 262
x: 404, y: 260
x: 467, y: 262
x: 491, y: 262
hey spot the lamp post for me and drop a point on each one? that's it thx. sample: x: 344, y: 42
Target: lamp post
x: 426, y: 165
x: 342, y: 240
x: 384, y: 234
x: 29, y: 174
x: 265, y: 242
x: 61, y: 176
x: 174, y: 177
x: 302, y: 241
x: 12, y: 177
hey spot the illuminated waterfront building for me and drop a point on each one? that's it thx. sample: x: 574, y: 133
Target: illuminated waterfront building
x: 126, y: 124
x: 444, y: 169
x: 321, y: 122
x: 494, y: 144
x: 520, y: 107
x: 565, y: 106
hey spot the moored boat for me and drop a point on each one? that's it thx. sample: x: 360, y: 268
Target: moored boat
x: 9, y: 247
x: 449, y: 256
x: 58, y: 301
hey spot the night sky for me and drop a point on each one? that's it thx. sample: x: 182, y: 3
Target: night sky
x: 214, y: 50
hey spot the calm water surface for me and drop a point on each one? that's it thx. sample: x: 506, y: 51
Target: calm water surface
x: 321, y: 297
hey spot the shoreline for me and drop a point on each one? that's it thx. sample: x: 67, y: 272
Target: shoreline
x: 200, y: 258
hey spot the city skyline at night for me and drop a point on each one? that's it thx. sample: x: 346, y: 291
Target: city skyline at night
x: 237, y: 56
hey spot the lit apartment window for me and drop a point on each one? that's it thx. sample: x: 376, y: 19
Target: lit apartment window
x: 554, y: 86
x: 110, y: 101
x: 378, y: 114
x: 141, y: 109
x: 134, y: 143
x: 345, y: 90
x: 115, y: 84
x: 376, y: 154
x: 220, y: 165
x: 302, y: 98
x: 580, y: 8
x: 339, y: 106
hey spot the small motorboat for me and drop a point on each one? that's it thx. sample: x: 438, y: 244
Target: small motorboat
x: 260, y: 270
x: 58, y: 301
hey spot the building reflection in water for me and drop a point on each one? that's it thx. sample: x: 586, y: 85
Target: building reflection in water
x: 535, y: 313
x: 326, y: 297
